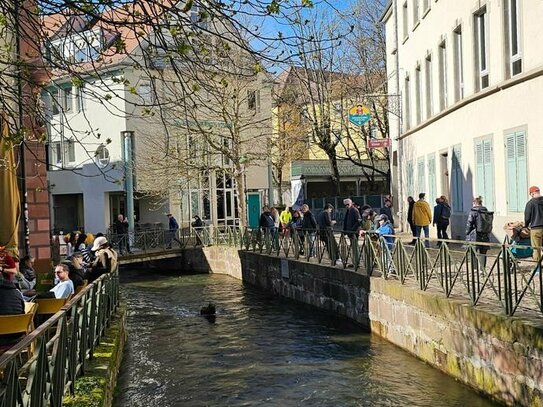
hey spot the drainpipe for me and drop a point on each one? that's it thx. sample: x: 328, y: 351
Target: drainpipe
x: 270, y: 182
x: 129, y: 180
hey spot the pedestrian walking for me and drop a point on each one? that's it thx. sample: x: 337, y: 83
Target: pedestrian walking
x: 410, y: 206
x: 479, y: 227
x: 309, y: 226
x: 533, y: 218
x: 422, y: 217
x: 173, y: 227
x: 351, y: 226
x: 442, y: 215
x: 326, y: 232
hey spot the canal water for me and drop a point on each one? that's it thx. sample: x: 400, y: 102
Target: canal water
x: 261, y: 351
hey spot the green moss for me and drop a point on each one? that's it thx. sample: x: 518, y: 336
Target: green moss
x: 93, y: 389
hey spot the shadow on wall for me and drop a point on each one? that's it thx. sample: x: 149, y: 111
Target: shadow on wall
x: 461, y: 198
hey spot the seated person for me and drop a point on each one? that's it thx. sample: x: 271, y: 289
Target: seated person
x: 64, y: 287
x: 27, y: 270
x: 105, y: 261
x: 77, y: 269
x: 11, y: 299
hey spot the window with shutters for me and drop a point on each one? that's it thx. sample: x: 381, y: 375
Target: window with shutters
x: 410, y: 185
x: 432, y: 186
x: 516, y: 163
x: 421, y: 177
x: 484, y: 172
x: 457, y: 180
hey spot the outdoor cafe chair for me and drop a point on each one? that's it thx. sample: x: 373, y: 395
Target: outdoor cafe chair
x: 18, y: 324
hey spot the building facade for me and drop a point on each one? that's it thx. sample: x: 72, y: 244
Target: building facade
x: 469, y: 75
x: 116, y: 127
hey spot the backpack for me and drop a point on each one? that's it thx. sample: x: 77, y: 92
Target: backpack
x: 445, y: 212
x: 483, y: 223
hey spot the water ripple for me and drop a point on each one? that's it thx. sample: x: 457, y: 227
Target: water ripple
x: 261, y: 351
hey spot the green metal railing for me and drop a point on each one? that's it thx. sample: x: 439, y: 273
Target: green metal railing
x: 454, y: 268
x: 61, y: 347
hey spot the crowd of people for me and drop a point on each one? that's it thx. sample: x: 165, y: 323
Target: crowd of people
x: 18, y: 280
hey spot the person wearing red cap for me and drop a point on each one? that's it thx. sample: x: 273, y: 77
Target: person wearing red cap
x: 533, y: 218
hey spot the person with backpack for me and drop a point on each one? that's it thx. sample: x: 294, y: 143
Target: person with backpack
x: 442, y: 215
x: 479, y: 227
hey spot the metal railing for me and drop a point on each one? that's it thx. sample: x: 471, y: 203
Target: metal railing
x: 61, y: 345
x: 481, y: 272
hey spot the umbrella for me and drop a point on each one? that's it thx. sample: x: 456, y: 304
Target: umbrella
x: 10, y: 208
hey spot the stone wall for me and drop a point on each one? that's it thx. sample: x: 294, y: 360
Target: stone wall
x: 495, y: 354
x: 498, y: 355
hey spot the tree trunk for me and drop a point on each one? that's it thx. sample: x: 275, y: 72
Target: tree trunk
x: 280, y: 185
x: 335, y: 173
x: 242, y: 198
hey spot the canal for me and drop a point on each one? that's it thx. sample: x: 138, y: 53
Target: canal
x: 261, y: 351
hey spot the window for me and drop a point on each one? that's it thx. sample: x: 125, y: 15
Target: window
x: 62, y: 153
x: 429, y: 87
x: 432, y: 188
x: 405, y: 19
x: 484, y: 172
x: 410, y: 184
x: 227, y: 143
x: 416, y: 13
x: 253, y: 100
x: 418, y: 94
x: 458, y: 65
x: 407, y: 104
x: 512, y: 40
x: 457, y: 180
x: 67, y: 100
x: 425, y: 5
x: 421, y: 176
x: 78, y: 99
x: 517, y: 179
x: 481, y: 48
x: 102, y: 156
x: 145, y: 91
x: 442, y: 76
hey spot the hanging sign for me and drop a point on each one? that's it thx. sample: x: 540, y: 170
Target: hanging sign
x: 359, y: 115
x: 379, y: 143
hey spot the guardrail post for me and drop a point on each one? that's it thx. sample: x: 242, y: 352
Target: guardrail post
x: 507, y: 286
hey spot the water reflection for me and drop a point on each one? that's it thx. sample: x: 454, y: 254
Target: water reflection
x: 261, y: 351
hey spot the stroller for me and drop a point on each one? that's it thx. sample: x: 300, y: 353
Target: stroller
x: 518, y: 236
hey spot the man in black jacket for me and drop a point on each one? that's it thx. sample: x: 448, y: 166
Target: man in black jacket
x: 326, y: 232
x: 351, y: 225
x: 120, y: 226
x: 309, y: 228
x: 533, y: 218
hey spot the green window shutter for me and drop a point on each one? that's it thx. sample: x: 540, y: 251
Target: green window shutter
x: 517, y: 178
x: 421, y: 182
x: 432, y: 189
x: 410, y: 172
x: 522, y: 172
x: 479, y: 170
x: 488, y: 174
x: 510, y: 148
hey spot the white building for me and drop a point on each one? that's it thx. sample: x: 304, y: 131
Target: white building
x: 469, y: 77
x: 95, y: 96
